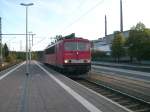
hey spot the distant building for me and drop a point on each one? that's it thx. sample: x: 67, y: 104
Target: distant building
x: 104, y: 44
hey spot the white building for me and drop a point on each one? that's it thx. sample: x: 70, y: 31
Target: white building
x: 104, y: 44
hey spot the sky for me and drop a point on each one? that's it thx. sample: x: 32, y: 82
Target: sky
x: 85, y: 18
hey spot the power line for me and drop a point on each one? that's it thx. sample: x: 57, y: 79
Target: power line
x: 39, y: 41
x: 42, y: 40
x: 69, y: 25
x: 15, y: 34
x: 84, y: 14
x: 10, y: 39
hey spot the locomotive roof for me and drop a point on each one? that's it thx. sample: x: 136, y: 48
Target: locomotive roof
x: 67, y: 39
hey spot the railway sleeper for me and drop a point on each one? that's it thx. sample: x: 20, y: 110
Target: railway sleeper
x: 105, y: 94
x: 97, y: 88
x: 132, y: 105
x: 143, y: 110
x: 90, y: 86
x: 124, y: 102
x: 128, y: 102
x: 109, y: 95
x: 117, y: 98
x: 140, y: 109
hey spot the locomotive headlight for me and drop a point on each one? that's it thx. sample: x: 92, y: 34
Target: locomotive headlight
x: 88, y: 61
x: 66, y: 61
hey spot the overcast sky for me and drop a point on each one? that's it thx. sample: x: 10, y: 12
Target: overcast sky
x: 48, y: 18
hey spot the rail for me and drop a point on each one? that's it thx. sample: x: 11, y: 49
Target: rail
x: 124, y: 99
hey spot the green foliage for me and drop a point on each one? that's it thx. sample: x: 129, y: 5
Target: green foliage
x: 117, y: 48
x: 34, y: 55
x: 39, y: 55
x: 20, y: 55
x: 11, y: 57
x: 146, y: 50
x: 0, y: 48
x: 5, y: 50
x: 140, y: 27
x: 98, y: 55
x: 139, y: 42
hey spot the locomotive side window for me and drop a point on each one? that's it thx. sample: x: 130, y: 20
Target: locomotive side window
x: 50, y: 50
x: 70, y: 46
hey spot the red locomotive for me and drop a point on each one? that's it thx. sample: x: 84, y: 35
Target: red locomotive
x: 69, y: 54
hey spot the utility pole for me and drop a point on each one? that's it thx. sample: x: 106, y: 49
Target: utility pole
x: 30, y: 48
x: 20, y: 45
x: 121, y: 17
x: 105, y: 26
x: 1, y: 55
x: 32, y: 39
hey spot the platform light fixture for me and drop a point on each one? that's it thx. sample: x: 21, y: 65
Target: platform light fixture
x: 26, y: 6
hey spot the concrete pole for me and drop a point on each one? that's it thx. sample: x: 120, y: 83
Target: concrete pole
x: 1, y: 53
x: 29, y: 50
x: 105, y: 26
x: 27, y: 68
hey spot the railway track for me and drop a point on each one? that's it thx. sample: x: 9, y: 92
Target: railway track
x: 124, y: 66
x: 130, y: 102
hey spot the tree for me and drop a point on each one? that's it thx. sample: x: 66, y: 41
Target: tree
x: 98, y: 55
x: 145, y: 45
x: 117, y: 48
x: 138, y: 42
x: 0, y: 48
x: 21, y: 55
x: 5, y: 50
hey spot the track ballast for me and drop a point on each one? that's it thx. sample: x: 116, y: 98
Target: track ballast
x: 130, y: 102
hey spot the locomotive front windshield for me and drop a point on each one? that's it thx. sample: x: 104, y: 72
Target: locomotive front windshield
x: 73, y: 46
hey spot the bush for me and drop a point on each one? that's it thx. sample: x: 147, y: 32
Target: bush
x: 10, y: 58
x: 97, y: 55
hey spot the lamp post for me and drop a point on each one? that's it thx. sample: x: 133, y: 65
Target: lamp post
x: 27, y: 5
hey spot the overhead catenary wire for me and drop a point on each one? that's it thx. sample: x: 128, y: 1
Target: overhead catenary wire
x: 10, y: 39
x: 75, y: 21
x: 40, y: 41
x: 84, y: 14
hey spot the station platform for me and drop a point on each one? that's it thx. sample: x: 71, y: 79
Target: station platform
x: 45, y: 90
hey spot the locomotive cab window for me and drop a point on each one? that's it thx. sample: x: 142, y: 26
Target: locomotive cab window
x: 83, y: 46
x: 70, y: 46
x: 73, y: 46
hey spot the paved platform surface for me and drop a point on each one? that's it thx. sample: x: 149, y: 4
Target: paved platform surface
x: 45, y: 90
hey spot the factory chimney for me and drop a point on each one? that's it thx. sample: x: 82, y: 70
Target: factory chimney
x: 121, y: 17
x: 105, y: 26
